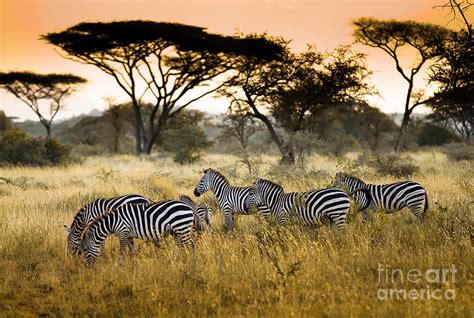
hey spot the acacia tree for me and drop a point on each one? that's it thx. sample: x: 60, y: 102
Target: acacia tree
x: 289, y: 92
x: 454, y: 73
x: 238, y: 124
x: 163, y: 62
x: 258, y: 81
x: 392, y: 37
x: 320, y: 82
x: 32, y: 89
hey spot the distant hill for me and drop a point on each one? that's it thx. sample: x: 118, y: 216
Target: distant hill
x: 58, y: 129
x: 398, y: 117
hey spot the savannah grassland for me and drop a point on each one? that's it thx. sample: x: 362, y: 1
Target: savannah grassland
x: 256, y: 270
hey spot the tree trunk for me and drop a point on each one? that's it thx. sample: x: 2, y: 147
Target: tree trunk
x: 406, y: 117
x: 48, y: 130
x: 401, y: 133
x: 138, y: 130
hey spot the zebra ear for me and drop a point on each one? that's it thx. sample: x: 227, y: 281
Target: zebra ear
x: 205, y: 170
x: 67, y: 228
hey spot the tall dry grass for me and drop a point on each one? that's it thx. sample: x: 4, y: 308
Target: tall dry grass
x: 256, y: 270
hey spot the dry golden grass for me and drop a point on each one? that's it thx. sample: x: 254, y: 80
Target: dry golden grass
x: 256, y: 270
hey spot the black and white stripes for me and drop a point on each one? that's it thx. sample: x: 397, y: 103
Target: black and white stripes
x: 92, y: 211
x: 310, y: 208
x: 150, y: 222
x: 390, y: 197
x: 231, y: 199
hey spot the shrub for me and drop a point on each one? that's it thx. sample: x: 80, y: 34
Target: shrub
x: 17, y: 148
x: 457, y: 152
x: 390, y: 164
x: 185, y: 143
x: 432, y: 135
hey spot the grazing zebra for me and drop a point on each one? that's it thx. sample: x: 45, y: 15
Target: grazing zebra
x: 151, y: 222
x: 390, y: 197
x: 92, y: 211
x: 311, y: 208
x: 202, y: 213
x: 231, y: 199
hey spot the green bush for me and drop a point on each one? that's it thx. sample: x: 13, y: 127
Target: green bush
x: 389, y: 164
x: 185, y: 143
x: 17, y: 148
x: 432, y: 135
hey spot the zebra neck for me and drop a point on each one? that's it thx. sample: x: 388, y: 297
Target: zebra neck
x: 356, y: 184
x: 277, y: 202
x: 220, y: 189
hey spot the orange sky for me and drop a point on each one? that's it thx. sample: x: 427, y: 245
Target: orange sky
x: 324, y: 23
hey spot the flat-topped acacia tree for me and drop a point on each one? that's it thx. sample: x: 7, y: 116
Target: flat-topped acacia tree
x: 164, y: 62
x: 32, y: 89
x: 393, y: 37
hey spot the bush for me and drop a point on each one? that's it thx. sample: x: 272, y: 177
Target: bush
x: 390, y: 164
x: 432, y: 135
x: 185, y: 143
x: 457, y: 152
x: 17, y: 148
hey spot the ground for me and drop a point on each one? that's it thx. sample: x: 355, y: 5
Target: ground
x: 255, y: 270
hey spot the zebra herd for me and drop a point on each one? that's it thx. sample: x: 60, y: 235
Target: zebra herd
x: 135, y: 216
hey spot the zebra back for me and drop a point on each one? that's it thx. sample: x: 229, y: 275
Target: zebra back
x: 139, y: 220
x: 92, y: 211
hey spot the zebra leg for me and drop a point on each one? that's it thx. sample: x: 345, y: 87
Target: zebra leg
x: 229, y: 222
x: 131, y: 246
x: 339, y: 219
x: 123, y: 240
x: 416, y: 210
x: 365, y: 216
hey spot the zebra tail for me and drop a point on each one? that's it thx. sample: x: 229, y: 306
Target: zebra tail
x: 426, y: 202
x: 367, y: 195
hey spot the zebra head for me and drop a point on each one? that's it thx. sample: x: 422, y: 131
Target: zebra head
x: 254, y: 199
x: 202, y: 213
x: 90, y: 247
x: 205, y: 183
x: 74, y: 237
x: 339, y: 180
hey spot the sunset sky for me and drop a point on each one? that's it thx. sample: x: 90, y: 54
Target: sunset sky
x: 324, y: 23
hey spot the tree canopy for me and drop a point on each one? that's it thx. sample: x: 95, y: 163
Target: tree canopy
x: 32, y: 88
x: 160, y: 61
x: 391, y: 36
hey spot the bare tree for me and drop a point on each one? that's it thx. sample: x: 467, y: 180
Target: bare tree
x: 238, y: 124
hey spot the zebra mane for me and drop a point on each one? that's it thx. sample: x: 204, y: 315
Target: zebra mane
x: 217, y: 173
x: 88, y: 226
x: 349, y: 176
x: 270, y: 183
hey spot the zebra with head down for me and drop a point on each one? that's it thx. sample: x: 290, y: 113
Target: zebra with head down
x: 150, y: 222
x: 94, y: 210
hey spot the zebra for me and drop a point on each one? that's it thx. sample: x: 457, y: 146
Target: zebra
x: 92, y: 211
x: 311, y: 208
x: 231, y: 199
x: 151, y: 222
x: 390, y: 197
x: 202, y: 211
